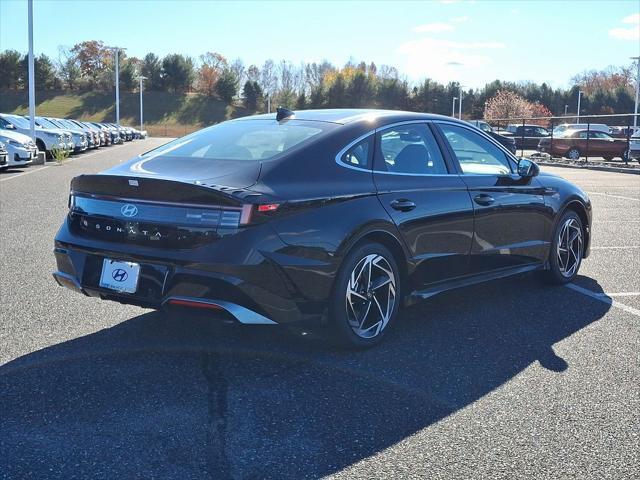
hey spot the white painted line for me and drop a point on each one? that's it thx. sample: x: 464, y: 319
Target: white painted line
x: 31, y: 170
x: 37, y: 169
x: 621, y: 247
x: 604, y: 299
x: 615, y: 196
x: 621, y: 294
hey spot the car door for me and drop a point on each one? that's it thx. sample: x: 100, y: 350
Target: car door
x: 426, y: 199
x: 510, y: 228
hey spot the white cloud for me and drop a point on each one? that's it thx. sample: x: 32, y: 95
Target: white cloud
x: 433, y: 28
x: 460, y: 19
x: 627, y: 33
x: 443, y: 59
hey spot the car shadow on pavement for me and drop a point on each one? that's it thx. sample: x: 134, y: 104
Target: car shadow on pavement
x: 188, y: 398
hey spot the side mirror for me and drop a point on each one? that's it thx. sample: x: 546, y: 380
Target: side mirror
x: 527, y: 168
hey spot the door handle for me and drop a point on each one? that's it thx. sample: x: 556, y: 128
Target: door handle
x: 403, y: 205
x: 484, y: 199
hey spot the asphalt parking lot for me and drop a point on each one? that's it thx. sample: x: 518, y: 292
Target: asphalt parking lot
x: 513, y: 379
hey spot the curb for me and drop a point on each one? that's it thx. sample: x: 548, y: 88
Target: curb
x: 632, y: 171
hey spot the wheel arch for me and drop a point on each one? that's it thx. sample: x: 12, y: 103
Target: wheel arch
x: 386, y: 238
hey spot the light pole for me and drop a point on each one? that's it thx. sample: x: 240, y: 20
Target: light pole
x: 453, y: 107
x: 579, y: 98
x: 635, y: 110
x: 32, y: 86
x: 460, y: 103
x: 141, y: 78
x: 566, y: 107
x: 116, y: 51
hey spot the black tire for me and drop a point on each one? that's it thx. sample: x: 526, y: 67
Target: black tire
x: 42, y: 148
x: 573, y: 154
x: 555, y: 273
x: 342, y: 314
x: 608, y: 159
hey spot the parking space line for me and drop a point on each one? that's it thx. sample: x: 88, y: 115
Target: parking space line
x: 614, y: 196
x: 620, y: 247
x: 604, y: 298
x: 34, y: 170
x: 31, y: 170
x: 621, y: 294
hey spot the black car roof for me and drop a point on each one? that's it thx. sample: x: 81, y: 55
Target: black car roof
x: 344, y: 115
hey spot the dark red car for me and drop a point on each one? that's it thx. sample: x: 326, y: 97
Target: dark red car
x: 575, y: 144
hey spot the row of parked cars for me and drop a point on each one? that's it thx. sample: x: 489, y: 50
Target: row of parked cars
x: 17, y: 148
x: 571, y: 140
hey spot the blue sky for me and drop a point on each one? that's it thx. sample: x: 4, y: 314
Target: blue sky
x: 471, y: 41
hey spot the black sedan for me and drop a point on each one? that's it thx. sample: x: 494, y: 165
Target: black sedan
x: 330, y: 217
x: 506, y: 141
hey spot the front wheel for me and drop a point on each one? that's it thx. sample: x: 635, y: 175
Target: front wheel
x: 567, y: 248
x: 366, y: 296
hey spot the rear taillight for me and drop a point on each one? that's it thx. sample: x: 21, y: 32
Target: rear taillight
x: 252, y: 213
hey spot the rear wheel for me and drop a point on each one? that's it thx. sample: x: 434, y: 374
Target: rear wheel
x: 573, y: 154
x: 567, y: 249
x: 608, y: 159
x: 366, y: 296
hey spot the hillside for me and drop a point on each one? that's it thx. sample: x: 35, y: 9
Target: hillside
x: 165, y: 114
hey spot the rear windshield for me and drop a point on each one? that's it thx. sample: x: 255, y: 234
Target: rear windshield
x: 243, y: 140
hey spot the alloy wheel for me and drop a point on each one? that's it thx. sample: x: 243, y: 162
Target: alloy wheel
x: 370, y: 296
x: 569, y: 249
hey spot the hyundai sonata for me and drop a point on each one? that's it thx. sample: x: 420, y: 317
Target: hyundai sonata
x: 334, y: 217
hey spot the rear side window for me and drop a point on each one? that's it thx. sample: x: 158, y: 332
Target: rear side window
x: 359, y: 154
x: 476, y: 155
x: 243, y: 140
x: 409, y: 149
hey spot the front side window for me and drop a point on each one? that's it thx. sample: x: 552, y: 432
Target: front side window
x: 244, y: 140
x: 410, y: 149
x: 476, y: 155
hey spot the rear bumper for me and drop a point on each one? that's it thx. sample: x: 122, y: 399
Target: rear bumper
x: 247, y: 275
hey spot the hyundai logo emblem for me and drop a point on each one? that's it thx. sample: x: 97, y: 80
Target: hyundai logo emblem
x: 119, y: 275
x: 129, y: 210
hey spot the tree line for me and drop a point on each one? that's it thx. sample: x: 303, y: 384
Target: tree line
x: 89, y: 65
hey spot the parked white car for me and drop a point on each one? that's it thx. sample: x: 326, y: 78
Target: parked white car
x: 569, y: 127
x: 3, y: 157
x: 20, y: 148
x: 46, y: 139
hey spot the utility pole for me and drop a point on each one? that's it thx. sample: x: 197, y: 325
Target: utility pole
x: 453, y: 107
x: 579, y: 98
x: 141, y: 78
x: 32, y: 86
x: 635, y: 110
x: 566, y: 107
x: 460, y: 104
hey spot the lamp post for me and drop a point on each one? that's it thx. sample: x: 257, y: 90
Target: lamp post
x: 32, y: 86
x: 141, y: 78
x: 579, y: 98
x: 116, y: 51
x: 453, y: 107
x: 566, y: 107
x: 460, y: 103
x: 635, y: 110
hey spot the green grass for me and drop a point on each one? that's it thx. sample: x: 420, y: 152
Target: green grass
x: 165, y: 114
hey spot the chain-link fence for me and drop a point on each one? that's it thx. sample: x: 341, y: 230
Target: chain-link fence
x: 578, y: 138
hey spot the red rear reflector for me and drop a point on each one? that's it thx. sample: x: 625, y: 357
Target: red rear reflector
x: 268, y: 207
x: 194, y: 304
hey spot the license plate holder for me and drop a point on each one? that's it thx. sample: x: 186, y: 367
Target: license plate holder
x: 120, y: 276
